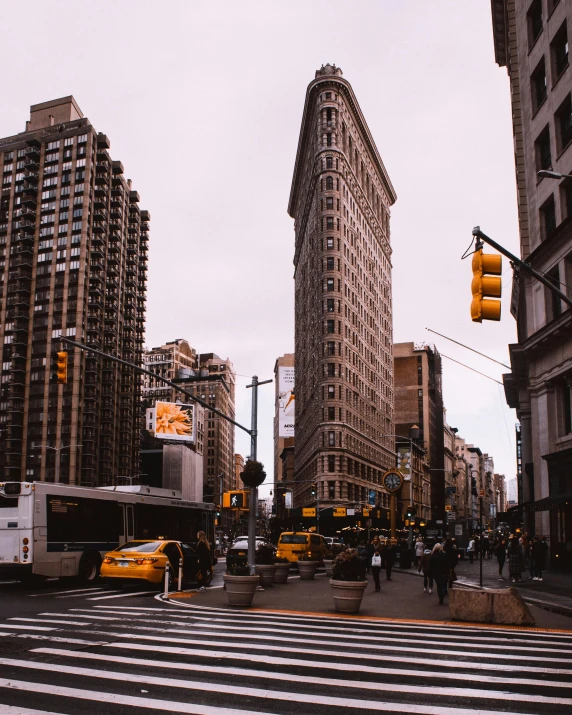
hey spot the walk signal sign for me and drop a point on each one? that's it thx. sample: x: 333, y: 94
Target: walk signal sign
x: 235, y: 500
x: 486, y: 285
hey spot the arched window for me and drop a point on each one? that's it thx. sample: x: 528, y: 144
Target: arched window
x: 329, y: 183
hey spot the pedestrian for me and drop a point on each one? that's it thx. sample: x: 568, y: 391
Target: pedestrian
x: 205, y: 558
x: 439, y: 566
x: 539, y: 552
x: 450, y: 549
x: 419, y: 549
x: 471, y: 550
x: 515, y: 560
x: 426, y: 568
x: 501, y: 556
x: 376, y: 561
x: 362, y: 553
x: 388, y: 558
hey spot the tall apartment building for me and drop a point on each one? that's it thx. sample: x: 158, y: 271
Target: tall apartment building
x: 340, y: 199
x: 213, y: 380
x: 73, y: 262
x: 531, y: 40
x: 419, y: 401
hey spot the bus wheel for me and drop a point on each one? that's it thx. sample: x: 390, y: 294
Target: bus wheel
x: 89, y: 567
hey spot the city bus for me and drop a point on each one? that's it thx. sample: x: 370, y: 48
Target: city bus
x: 52, y: 530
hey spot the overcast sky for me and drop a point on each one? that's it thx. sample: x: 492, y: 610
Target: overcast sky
x: 202, y: 102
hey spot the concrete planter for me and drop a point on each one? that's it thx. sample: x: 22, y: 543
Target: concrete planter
x: 347, y: 595
x: 329, y: 566
x: 266, y: 573
x: 240, y: 589
x: 282, y: 571
x: 307, y: 569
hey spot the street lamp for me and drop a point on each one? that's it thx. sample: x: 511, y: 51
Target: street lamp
x: 552, y: 175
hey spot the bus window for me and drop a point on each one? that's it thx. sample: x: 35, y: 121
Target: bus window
x: 129, y: 522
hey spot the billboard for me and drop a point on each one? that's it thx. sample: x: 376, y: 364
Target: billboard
x: 174, y: 421
x: 404, y: 462
x: 285, y: 401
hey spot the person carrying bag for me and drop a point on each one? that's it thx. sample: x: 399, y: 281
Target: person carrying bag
x: 376, y: 562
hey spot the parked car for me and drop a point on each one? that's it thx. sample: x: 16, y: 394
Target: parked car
x: 146, y: 561
x: 293, y: 544
x: 238, y: 552
x: 334, y: 544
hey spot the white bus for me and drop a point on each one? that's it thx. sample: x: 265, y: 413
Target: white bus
x: 55, y: 530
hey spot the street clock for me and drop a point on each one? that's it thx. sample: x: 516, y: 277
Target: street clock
x: 392, y: 480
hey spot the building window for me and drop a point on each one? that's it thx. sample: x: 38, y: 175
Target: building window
x: 553, y: 301
x: 563, y: 118
x: 330, y: 326
x: 330, y: 305
x: 329, y: 183
x: 330, y: 263
x: 331, y: 439
x: 329, y: 242
x: 538, y: 85
x: 547, y: 218
x: 534, y: 19
x: 329, y: 162
x: 559, y: 51
x: 331, y: 414
x: 329, y: 202
x: 566, y: 400
x: 331, y: 348
x: 331, y: 392
x: 328, y: 140
x: 542, y: 149
x: 331, y: 369
x: 566, y: 198
x: 331, y: 468
x: 329, y: 223
x: 330, y: 284
x: 328, y: 95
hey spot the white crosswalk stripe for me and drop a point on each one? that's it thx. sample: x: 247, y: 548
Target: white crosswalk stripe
x: 99, y: 593
x: 220, y: 662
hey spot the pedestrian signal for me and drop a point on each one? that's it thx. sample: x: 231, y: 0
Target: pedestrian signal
x: 486, y: 268
x: 235, y: 500
x: 313, y: 490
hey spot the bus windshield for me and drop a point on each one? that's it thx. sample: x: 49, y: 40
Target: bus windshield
x: 293, y: 539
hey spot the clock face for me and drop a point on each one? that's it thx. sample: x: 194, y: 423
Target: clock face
x: 392, y: 481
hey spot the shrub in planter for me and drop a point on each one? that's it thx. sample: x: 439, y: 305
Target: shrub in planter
x: 253, y: 473
x: 264, y: 555
x: 238, y: 569
x: 240, y: 586
x: 348, y: 566
x: 307, y: 567
x: 282, y: 569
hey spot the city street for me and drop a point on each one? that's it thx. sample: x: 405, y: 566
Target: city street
x: 83, y: 656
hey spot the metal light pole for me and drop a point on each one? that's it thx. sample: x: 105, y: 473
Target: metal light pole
x: 253, y: 500
x: 58, y: 451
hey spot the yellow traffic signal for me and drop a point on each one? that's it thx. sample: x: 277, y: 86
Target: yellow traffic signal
x: 62, y: 367
x: 485, y: 266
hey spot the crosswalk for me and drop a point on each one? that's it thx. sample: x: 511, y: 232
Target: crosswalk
x: 131, y: 660
x: 97, y: 593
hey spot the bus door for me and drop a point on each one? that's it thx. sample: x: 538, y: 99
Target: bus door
x: 127, y: 523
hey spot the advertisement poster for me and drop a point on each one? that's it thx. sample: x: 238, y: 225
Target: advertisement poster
x: 404, y: 462
x: 174, y: 421
x: 285, y: 401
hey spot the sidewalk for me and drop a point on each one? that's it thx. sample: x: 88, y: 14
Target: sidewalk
x: 553, y: 593
x: 401, y: 598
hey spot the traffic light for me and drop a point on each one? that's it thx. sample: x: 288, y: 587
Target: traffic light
x: 234, y: 500
x: 313, y: 490
x: 61, y: 367
x: 486, y: 268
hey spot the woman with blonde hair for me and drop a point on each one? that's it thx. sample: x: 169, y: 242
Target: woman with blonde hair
x: 205, y: 558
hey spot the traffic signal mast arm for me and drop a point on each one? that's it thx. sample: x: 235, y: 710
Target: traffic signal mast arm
x: 477, y: 233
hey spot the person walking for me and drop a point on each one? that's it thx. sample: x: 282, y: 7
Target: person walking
x: 501, y: 556
x: 471, y: 550
x: 376, y: 561
x: 388, y: 558
x: 426, y: 568
x: 539, y: 552
x: 419, y: 549
x: 452, y: 552
x: 439, y: 566
x: 205, y: 558
x: 515, y: 560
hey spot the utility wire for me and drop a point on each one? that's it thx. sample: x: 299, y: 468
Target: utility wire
x: 471, y: 368
x: 508, y: 367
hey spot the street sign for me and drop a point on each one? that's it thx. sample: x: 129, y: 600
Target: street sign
x: 350, y: 512
x: 450, y: 490
x: 372, y: 497
x: 481, y: 492
x: 340, y: 511
x: 365, y: 511
x: 438, y: 521
x: 458, y: 530
x: 432, y: 532
x: 452, y: 515
x: 308, y: 511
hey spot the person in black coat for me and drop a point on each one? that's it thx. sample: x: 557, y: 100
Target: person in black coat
x: 539, y: 551
x: 205, y: 558
x: 453, y: 556
x: 439, y: 566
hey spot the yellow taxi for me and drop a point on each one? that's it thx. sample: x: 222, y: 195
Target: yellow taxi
x: 145, y: 560
x: 293, y: 544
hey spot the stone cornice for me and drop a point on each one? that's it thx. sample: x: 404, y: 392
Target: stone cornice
x: 345, y: 88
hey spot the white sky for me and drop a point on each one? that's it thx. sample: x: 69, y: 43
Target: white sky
x: 202, y: 102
